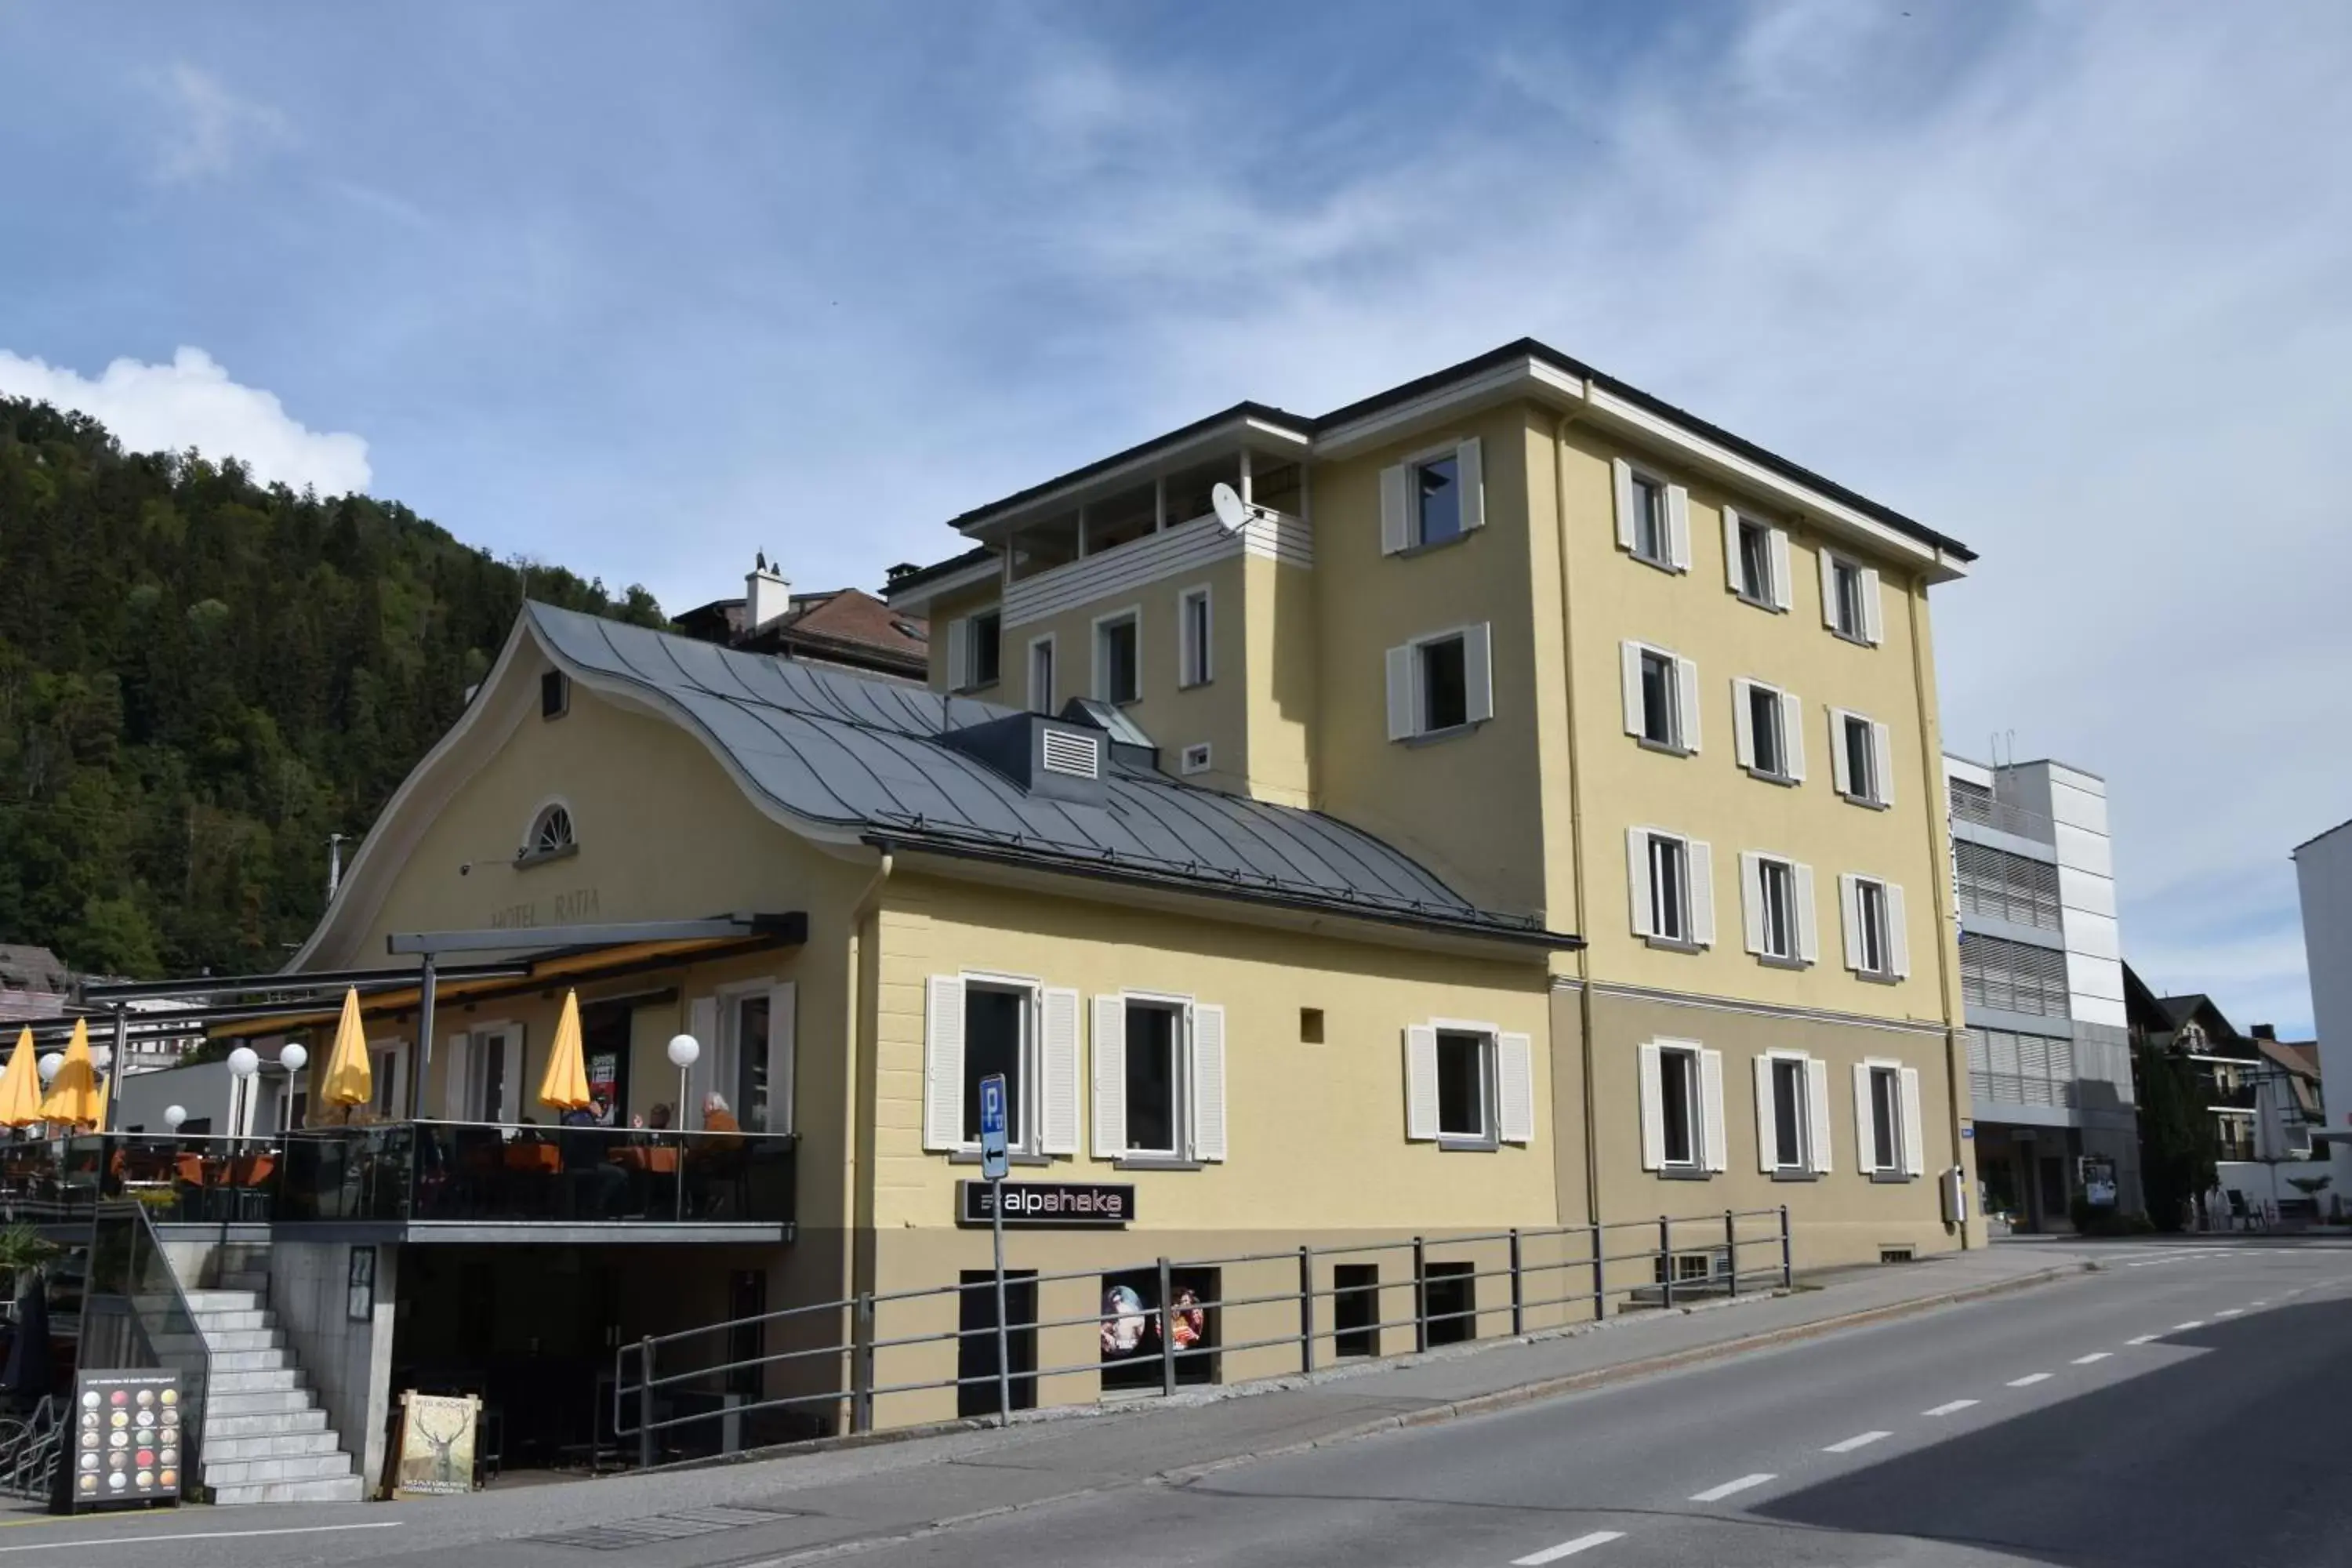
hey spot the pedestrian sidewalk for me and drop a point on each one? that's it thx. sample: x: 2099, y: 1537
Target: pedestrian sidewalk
x: 834, y: 1495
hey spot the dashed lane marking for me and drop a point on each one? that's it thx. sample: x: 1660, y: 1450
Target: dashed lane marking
x: 2094, y: 1356
x: 2029, y: 1380
x: 2230, y: 1313
x: 2184, y: 1328
x: 2144, y: 1340
x: 1567, y: 1549
x: 1860, y: 1440
x: 1953, y: 1409
x: 1730, y: 1488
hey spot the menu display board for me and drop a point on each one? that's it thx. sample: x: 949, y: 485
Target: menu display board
x: 126, y: 1439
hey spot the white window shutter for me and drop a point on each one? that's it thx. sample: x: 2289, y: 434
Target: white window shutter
x: 1629, y: 663
x: 1420, y: 1082
x: 942, y: 1060
x: 1898, y: 934
x: 1731, y: 549
x: 1209, y: 1083
x: 1057, y: 1076
x: 1808, y: 926
x: 702, y: 1022
x: 1828, y: 589
x: 1792, y: 736
x: 1637, y: 878
x: 1865, y: 1158
x: 1783, y: 588
x: 1881, y: 752
x: 1850, y: 910
x: 1768, y: 1131
x: 1743, y: 725
x: 783, y: 1053
x: 1751, y: 898
x: 1874, y: 614
x: 458, y: 1101
x: 1396, y: 515
x: 1687, y: 696
x: 959, y: 653
x: 1621, y: 473
x: 1479, y: 671
x: 1403, y: 711
x: 1840, y: 773
x: 1654, y: 1108
x: 1817, y: 1114
x: 1699, y: 855
x: 1710, y: 1094
x: 1514, y: 1072
x: 1678, y: 527
x: 1915, y: 1151
x: 1470, y: 470
x: 1111, y: 1076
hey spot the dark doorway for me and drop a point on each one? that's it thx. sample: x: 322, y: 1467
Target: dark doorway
x: 1453, y: 1304
x: 747, y: 1296
x: 604, y: 1043
x: 976, y: 1351
x: 2053, y: 1188
x: 1356, y: 1309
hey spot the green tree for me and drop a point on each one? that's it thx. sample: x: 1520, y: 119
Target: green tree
x: 2179, y: 1148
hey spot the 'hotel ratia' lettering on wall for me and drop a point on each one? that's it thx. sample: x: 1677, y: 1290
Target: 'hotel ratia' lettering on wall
x: 575, y: 908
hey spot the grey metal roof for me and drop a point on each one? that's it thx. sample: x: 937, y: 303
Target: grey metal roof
x: 837, y: 750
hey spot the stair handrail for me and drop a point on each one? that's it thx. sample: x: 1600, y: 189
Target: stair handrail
x: 162, y: 1328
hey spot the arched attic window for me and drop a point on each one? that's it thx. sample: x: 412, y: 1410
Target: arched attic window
x: 550, y: 836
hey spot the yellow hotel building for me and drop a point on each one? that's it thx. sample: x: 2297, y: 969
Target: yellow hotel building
x: 1524, y: 815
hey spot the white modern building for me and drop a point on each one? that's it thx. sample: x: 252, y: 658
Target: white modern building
x: 2041, y: 979
x: 2323, y: 872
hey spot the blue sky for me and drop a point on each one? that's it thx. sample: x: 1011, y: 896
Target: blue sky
x: 644, y: 288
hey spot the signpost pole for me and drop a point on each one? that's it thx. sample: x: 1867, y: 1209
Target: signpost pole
x: 995, y: 1159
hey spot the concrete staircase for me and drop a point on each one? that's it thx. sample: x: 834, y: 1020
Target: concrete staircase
x: 265, y: 1438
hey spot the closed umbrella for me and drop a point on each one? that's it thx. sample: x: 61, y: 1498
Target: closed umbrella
x: 20, y: 1086
x: 73, y: 1095
x: 351, y: 1080
x: 565, y: 1084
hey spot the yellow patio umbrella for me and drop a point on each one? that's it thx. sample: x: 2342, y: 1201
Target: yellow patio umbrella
x: 20, y: 1086
x: 73, y: 1096
x: 565, y: 1084
x: 350, y: 1078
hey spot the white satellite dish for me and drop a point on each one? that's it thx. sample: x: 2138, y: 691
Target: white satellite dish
x: 1233, y: 513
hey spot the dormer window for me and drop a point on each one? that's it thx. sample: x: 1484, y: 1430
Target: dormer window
x: 550, y: 834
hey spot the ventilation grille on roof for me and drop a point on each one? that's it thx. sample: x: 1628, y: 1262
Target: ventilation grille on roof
x: 1079, y: 756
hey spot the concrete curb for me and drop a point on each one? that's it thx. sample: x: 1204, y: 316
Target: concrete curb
x: 1594, y: 1377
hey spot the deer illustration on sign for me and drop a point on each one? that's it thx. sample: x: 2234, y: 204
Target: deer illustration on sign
x: 436, y: 1443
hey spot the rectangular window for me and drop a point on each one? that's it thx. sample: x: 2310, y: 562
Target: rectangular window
x: 554, y: 694
x: 1465, y: 1071
x: 1356, y: 1309
x: 749, y: 1091
x: 1768, y: 744
x: 984, y: 659
x: 1154, y: 1078
x: 1756, y: 584
x: 1438, y: 499
x: 2015, y: 976
x: 1870, y: 906
x: 1776, y: 891
x: 1041, y: 675
x: 1886, y: 1119
x: 1850, y: 612
x: 2007, y: 887
x: 1192, y: 638
x: 1669, y: 889
x: 1788, y: 1116
x: 997, y: 1033
x: 1678, y: 1105
x: 1118, y: 670
x: 1653, y: 538
x: 1660, y: 700
x: 1444, y: 684
x: 1861, y: 758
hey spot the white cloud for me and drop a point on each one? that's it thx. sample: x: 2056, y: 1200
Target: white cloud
x: 211, y: 127
x: 191, y: 401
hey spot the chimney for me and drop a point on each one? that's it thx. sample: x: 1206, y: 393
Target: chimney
x: 766, y: 594
x: 2266, y: 1032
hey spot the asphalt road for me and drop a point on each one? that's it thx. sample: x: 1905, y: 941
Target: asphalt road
x: 2176, y: 1408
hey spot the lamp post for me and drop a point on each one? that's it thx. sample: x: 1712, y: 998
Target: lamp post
x: 243, y: 1063
x: 174, y: 1115
x: 685, y: 1050
x: 293, y: 1056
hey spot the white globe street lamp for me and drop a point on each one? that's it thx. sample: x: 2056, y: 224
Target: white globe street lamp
x: 49, y: 1065
x: 685, y: 1050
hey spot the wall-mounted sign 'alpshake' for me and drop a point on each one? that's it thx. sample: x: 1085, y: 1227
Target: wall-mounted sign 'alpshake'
x: 1047, y: 1205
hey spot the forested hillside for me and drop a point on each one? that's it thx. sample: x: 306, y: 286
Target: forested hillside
x: 201, y: 679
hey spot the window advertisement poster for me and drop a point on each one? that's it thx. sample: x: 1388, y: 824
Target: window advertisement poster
x: 435, y: 1454
x: 125, y: 1443
x: 2099, y: 1180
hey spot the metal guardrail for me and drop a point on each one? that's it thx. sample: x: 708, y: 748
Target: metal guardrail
x: 135, y: 1314
x: 1716, y: 1240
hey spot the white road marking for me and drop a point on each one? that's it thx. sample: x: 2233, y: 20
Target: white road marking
x: 1716, y: 1494
x: 2258, y: 1303
x: 2094, y: 1355
x: 201, y: 1535
x: 2029, y: 1380
x: 1956, y: 1406
x: 2144, y: 1340
x: 2184, y: 1328
x: 1567, y: 1549
x: 1862, y: 1440
x: 2230, y: 1313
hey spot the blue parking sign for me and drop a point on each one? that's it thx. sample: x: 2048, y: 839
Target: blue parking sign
x: 994, y: 1143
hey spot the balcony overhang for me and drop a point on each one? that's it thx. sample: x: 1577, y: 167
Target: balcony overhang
x: 530, y: 1233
